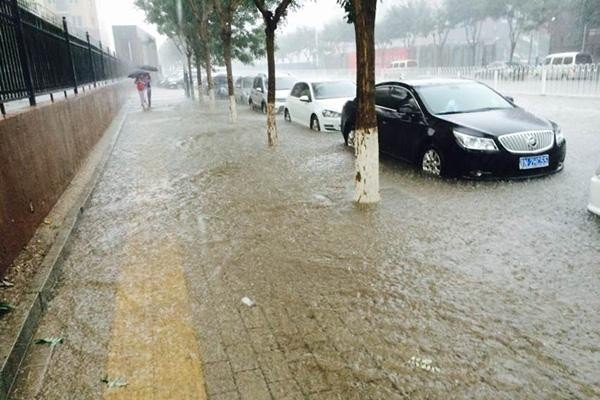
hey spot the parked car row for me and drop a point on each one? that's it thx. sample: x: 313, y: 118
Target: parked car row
x: 446, y: 127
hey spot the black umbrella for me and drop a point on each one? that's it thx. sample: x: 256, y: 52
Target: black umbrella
x: 137, y: 73
x: 149, y: 68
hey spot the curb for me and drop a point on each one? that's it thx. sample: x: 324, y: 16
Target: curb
x: 45, y: 279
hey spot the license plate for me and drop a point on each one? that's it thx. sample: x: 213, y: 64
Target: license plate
x: 534, y: 162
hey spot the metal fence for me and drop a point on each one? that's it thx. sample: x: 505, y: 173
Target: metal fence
x: 578, y: 80
x: 39, y: 55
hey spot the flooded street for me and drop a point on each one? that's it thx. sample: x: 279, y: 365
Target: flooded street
x: 446, y: 289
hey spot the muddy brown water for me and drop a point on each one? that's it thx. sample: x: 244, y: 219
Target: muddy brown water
x: 446, y: 289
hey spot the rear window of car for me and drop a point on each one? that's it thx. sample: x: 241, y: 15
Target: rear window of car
x: 284, y: 83
x: 334, y: 90
x: 557, y: 61
x: 583, y: 59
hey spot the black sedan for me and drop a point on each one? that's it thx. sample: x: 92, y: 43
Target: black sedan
x: 453, y: 127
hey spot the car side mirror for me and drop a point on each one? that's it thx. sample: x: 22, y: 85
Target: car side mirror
x: 410, y: 114
x: 305, y: 99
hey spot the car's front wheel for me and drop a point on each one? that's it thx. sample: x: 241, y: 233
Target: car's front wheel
x: 349, y: 138
x: 314, y: 123
x: 432, y: 162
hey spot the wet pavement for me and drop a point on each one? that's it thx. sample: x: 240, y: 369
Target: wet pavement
x: 446, y: 289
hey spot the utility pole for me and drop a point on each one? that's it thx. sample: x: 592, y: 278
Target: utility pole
x: 584, y: 38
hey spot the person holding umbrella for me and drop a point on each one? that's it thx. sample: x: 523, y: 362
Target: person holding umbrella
x: 142, y: 79
x: 140, y: 84
x: 147, y: 81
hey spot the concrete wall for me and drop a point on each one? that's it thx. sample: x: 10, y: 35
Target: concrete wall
x: 41, y: 150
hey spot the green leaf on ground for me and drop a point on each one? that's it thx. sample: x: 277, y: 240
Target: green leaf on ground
x: 5, y: 308
x: 51, y: 341
x: 115, y: 382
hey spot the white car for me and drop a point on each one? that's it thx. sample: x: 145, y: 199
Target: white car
x: 594, y: 205
x: 318, y: 105
x: 258, y: 94
x: 243, y: 86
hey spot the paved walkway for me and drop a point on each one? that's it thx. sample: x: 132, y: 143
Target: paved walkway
x: 416, y: 298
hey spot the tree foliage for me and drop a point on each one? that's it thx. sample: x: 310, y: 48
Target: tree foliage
x: 406, y: 21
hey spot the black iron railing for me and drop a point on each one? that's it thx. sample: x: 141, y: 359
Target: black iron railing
x: 38, y: 55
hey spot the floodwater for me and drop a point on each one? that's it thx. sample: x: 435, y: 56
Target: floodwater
x: 446, y: 289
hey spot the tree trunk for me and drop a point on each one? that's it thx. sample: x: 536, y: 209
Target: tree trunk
x: 199, y: 78
x: 191, y: 78
x: 513, y: 45
x: 226, y: 37
x: 271, y: 124
x: 366, y: 141
x: 204, y: 34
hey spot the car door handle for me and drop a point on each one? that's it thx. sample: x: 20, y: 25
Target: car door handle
x: 384, y: 123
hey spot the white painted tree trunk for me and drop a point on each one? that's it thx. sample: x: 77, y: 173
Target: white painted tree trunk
x: 232, y: 109
x: 271, y: 125
x: 211, y: 99
x: 366, y: 149
x: 200, y: 94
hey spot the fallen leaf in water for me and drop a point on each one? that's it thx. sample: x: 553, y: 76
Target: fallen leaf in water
x: 248, y: 301
x: 5, y: 283
x: 115, y: 382
x: 422, y: 363
x: 5, y: 308
x: 52, y: 341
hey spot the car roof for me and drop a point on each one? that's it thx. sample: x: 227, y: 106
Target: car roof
x: 566, y: 54
x: 429, y: 82
x: 324, y: 80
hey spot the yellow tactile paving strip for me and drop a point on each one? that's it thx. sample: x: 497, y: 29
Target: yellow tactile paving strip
x: 154, y: 347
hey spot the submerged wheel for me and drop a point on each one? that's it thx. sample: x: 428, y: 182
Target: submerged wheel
x: 349, y: 139
x: 314, y: 124
x: 251, y: 104
x: 263, y: 108
x: 287, y: 116
x: 432, y: 162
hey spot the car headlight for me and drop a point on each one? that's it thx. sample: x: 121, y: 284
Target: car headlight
x: 559, y: 137
x: 331, y: 114
x: 474, y: 142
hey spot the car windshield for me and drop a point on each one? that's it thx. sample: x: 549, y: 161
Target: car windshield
x: 334, y: 90
x: 456, y: 98
x: 583, y: 59
x: 284, y: 83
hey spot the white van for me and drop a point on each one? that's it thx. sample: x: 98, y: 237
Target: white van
x: 570, y: 65
x: 404, y: 64
x: 569, y: 59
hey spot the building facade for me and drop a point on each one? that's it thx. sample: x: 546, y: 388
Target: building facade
x: 81, y: 15
x: 135, y: 45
